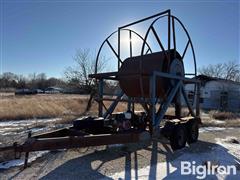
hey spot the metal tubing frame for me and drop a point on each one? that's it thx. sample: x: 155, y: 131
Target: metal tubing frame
x: 113, y: 105
x: 40, y: 144
x: 162, y: 74
x: 112, y: 75
x: 171, y: 76
x: 152, y: 99
x: 117, y: 54
x: 152, y: 110
x: 137, y: 22
x: 145, y: 19
x: 174, y: 41
x: 157, y: 117
x: 100, y: 95
x: 166, y: 104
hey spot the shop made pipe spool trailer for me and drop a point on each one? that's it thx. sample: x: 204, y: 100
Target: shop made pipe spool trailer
x: 154, y: 79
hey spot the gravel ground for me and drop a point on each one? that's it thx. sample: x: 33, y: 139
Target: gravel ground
x: 103, y: 162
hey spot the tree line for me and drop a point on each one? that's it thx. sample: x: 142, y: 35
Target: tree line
x: 9, y: 80
x: 229, y: 70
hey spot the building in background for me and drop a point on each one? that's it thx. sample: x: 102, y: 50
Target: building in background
x: 217, y: 94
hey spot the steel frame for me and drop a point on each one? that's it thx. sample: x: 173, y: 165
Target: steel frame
x: 149, y: 104
x: 156, y: 116
x: 61, y: 141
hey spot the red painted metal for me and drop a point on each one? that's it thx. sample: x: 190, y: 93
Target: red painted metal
x: 135, y: 70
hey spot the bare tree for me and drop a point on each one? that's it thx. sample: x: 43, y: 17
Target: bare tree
x: 84, y: 65
x: 229, y: 70
x: 8, y: 80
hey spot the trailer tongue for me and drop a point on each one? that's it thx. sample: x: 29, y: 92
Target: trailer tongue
x: 74, y: 137
x: 85, y: 132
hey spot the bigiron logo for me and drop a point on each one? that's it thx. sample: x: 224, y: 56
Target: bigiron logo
x: 201, y: 171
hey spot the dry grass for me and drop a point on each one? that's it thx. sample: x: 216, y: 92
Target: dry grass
x: 3, y: 94
x: 171, y: 111
x: 69, y: 107
x: 214, y: 123
x: 41, y: 106
x: 220, y: 119
x: 224, y: 115
x: 213, y: 118
x: 48, y: 106
x: 54, y: 105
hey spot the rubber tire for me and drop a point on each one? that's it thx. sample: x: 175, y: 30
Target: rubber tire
x: 178, y: 137
x: 193, y: 131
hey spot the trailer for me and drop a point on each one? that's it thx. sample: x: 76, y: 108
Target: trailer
x: 154, y: 79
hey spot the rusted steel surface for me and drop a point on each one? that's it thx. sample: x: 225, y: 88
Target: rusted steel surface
x: 134, y: 70
x: 6, y: 148
x: 60, y: 133
x: 40, y: 144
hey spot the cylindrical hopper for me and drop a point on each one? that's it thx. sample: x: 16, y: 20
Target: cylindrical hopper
x: 135, y: 72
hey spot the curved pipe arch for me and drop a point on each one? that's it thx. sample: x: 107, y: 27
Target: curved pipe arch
x: 189, y: 40
x: 106, y: 40
x: 185, y: 30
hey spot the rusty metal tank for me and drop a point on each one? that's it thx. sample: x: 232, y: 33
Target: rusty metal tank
x: 134, y: 74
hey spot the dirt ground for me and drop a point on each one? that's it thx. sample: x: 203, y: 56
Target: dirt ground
x: 125, y: 162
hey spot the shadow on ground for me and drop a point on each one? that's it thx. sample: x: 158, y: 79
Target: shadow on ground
x: 82, y: 167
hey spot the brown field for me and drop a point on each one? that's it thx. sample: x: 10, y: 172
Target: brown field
x: 70, y: 106
x: 46, y: 106
x: 3, y: 94
x: 41, y: 106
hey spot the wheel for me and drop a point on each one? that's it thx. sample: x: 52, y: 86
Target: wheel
x: 178, y: 138
x: 193, y: 131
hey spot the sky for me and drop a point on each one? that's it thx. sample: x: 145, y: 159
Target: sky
x: 43, y: 36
